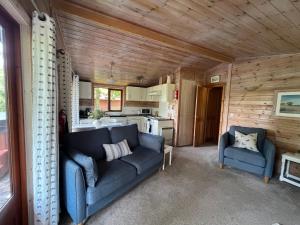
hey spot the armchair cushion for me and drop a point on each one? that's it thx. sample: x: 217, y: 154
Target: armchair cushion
x: 245, y: 155
x: 143, y: 159
x: 114, y: 175
x: 261, y: 135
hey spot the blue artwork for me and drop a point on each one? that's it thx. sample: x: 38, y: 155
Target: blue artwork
x: 290, y: 104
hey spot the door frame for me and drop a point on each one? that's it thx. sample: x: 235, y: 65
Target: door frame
x: 24, y: 94
x: 209, y: 87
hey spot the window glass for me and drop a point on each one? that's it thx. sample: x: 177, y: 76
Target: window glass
x: 107, y: 99
x: 101, y: 99
x: 115, y: 100
x: 5, y: 181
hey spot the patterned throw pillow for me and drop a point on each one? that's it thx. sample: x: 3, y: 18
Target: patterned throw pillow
x: 246, y: 141
x: 115, y: 151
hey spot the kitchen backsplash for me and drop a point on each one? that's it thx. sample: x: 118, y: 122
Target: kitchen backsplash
x: 126, y: 110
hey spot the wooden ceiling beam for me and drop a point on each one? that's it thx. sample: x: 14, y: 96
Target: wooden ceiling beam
x: 131, y: 28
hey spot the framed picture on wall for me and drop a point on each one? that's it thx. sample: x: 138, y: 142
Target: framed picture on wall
x: 288, y: 104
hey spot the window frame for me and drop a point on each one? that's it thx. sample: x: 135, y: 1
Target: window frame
x: 109, y: 96
x: 109, y: 99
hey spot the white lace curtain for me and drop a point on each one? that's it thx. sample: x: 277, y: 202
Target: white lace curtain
x: 44, y: 125
x: 65, y: 85
x: 75, y: 100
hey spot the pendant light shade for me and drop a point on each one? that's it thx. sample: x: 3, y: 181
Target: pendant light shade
x: 111, y: 79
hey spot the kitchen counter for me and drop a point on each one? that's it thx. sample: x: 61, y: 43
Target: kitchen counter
x: 159, y: 118
x: 125, y: 115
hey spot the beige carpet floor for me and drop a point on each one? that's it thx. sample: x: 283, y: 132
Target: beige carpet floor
x: 194, y: 191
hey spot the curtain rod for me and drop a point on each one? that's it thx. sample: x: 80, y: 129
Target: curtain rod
x: 41, y: 14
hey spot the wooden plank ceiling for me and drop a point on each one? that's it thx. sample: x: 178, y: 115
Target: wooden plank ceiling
x: 237, y: 28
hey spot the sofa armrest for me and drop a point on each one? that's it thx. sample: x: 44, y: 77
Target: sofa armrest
x: 224, y: 141
x: 269, y: 154
x: 73, y: 188
x: 153, y: 142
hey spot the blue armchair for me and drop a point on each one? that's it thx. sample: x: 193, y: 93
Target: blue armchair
x: 260, y: 163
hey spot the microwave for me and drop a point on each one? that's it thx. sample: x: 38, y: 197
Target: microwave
x: 146, y: 111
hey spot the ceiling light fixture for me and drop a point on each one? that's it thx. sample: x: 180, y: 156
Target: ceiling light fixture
x: 111, y: 79
x: 140, y: 79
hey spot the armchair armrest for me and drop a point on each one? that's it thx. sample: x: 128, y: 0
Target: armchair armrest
x: 224, y: 141
x: 269, y: 154
x: 153, y: 142
x: 73, y: 188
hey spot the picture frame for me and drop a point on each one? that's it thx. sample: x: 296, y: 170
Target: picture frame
x: 288, y: 104
x: 215, y: 79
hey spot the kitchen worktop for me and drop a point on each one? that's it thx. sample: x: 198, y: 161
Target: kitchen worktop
x: 143, y: 115
x: 125, y: 115
x: 159, y: 118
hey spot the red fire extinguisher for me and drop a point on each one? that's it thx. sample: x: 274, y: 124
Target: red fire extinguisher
x: 176, y: 94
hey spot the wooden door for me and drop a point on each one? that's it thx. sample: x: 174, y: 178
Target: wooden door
x: 187, y: 112
x: 11, y: 118
x: 214, y: 104
x: 200, y: 116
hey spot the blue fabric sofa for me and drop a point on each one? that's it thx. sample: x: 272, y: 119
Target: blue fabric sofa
x: 115, y: 177
x: 260, y: 163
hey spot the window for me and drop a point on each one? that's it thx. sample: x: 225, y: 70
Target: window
x: 107, y: 99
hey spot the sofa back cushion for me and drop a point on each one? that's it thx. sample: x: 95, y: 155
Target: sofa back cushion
x: 261, y: 134
x: 89, y: 165
x: 130, y: 133
x: 89, y: 142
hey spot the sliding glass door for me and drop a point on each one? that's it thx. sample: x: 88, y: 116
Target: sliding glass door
x: 10, y: 187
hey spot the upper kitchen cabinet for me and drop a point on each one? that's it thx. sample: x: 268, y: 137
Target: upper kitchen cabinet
x: 135, y: 94
x: 167, y: 92
x: 85, y: 90
x: 153, y: 93
x: 158, y: 93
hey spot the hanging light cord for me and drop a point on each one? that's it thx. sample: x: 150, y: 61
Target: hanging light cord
x: 111, y: 70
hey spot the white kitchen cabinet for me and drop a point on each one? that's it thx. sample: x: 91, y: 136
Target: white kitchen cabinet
x: 85, y: 90
x: 167, y: 92
x: 135, y: 120
x: 153, y: 93
x: 132, y: 93
x: 136, y: 93
x: 143, y: 94
x: 162, y: 93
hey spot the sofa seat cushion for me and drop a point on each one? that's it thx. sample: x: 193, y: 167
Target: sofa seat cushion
x: 143, y: 158
x: 245, y: 155
x: 114, y: 175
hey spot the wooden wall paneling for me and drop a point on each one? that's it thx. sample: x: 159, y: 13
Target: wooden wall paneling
x: 132, y: 55
x: 254, y: 84
x: 224, y: 71
x: 134, y: 29
x: 249, y: 28
x: 224, y: 123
